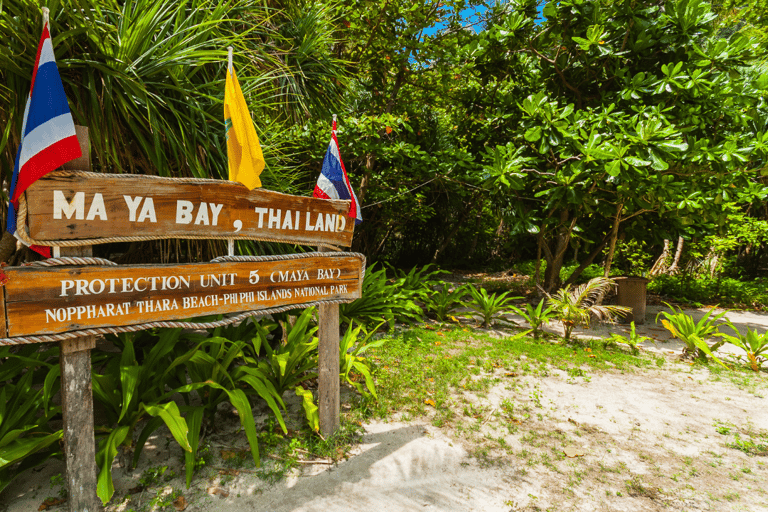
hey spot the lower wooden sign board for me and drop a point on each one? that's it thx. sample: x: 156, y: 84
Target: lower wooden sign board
x: 62, y: 299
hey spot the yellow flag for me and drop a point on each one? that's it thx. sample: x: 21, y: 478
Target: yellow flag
x: 245, y: 158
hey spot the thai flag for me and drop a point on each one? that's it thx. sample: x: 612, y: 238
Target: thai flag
x: 333, y: 182
x: 48, y: 138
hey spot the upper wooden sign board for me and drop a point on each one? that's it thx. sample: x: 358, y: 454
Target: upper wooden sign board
x: 69, y: 206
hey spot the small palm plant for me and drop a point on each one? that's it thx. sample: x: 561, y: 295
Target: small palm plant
x: 489, y: 306
x: 577, y: 306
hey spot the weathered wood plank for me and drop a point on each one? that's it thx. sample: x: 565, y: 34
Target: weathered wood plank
x: 328, y: 369
x: 78, y: 434
x: 328, y: 389
x: 63, y: 299
x: 63, y: 206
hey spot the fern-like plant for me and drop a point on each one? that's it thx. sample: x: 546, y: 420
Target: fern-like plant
x: 577, y: 306
x: 536, y: 317
x: 445, y: 301
x: 351, y: 358
x: 489, y: 306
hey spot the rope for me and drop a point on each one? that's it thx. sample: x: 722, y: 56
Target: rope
x: 22, y: 340
x: 70, y: 260
x: 23, y: 235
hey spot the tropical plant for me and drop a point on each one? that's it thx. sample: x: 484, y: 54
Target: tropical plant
x: 292, y: 361
x: 632, y: 341
x: 536, y: 317
x: 130, y: 391
x: 753, y: 343
x: 444, y: 301
x: 694, y: 334
x: 577, y: 306
x: 215, y: 366
x: 351, y: 358
x: 489, y: 306
x: 380, y: 301
x: 25, y: 438
x: 418, y: 282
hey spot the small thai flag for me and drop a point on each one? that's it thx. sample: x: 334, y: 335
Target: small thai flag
x: 333, y: 182
x: 48, y: 138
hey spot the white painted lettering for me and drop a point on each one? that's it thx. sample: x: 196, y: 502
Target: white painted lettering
x: 215, y: 210
x: 97, y: 208
x: 202, y: 215
x: 184, y: 211
x: 274, y: 218
x: 287, y: 224
x: 261, y: 212
x: 148, y: 211
x: 133, y: 205
x: 61, y: 205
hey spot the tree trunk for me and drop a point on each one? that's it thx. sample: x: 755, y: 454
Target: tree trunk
x: 369, y: 161
x: 537, y: 272
x: 556, y: 257
x: 678, y: 253
x: 612, y: 241
x: 661, y: 261
x: 587, y: 262
x: 474, y: 238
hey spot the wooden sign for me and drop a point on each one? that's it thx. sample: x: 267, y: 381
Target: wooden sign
x: 65, y: 205
x: 60, y: 299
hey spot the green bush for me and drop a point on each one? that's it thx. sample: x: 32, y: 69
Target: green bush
x: 703, y: 290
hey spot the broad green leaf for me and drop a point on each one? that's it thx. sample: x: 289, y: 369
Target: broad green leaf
x: 104, y: 457
x: 172, y: 418
x: 310, y: 409
x: 533, y: 134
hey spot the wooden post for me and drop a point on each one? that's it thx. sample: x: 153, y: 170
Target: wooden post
x: 77, y: 391
x: 77, y: 410
x: 328, y: 367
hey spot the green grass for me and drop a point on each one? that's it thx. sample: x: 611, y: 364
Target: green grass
x: 419, y: 369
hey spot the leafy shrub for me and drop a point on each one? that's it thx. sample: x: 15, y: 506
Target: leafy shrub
x: 25, y: 438
x: 293, y: 361
x: 381, y: 301
x: 694, y: 334
x: 577, y: 306
x: 442, y: 302
x: 632, y: 341
x: 129, y: 391
x: 351, y: 357
x: 754, y: 344
x: 536, y: 317
x: 418, y: 283
x: 489, y: 306
x: 700, y: 290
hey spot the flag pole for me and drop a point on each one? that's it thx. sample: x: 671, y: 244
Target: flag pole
x: 46, y: 13
x: 230, y: 241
